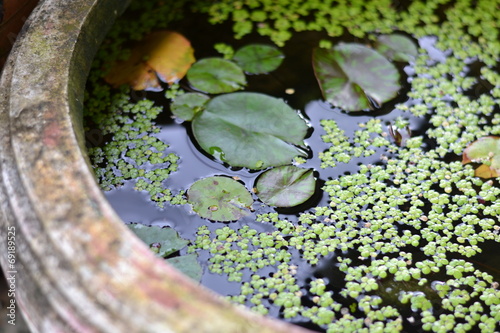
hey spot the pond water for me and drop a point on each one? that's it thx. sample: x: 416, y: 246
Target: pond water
x: 405, y: 238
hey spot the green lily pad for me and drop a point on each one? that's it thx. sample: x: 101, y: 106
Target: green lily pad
x: 187, y: 264
x: 164, y: 242
x: 187, y: 105
x: 258, y: 58
x: 286, y: 186
x: 167, y: 238
x: 351, y: 76
x: 485, y: 150
x: 216, y: 76
x: 396, y: 47
x: 250, y: 130
x: 220, y: 199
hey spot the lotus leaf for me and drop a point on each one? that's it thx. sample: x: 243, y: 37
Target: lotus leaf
x: 351, y: 76
x: 250, y: 130
x: 396, y: 47
x: 164, y: 242
x: 286, y: 186
x: 258, y: 58
x: 216, y: 76
x: 187, y: 105
x: 187, y: 264
x: 220, y: 199
x: 168, y: 239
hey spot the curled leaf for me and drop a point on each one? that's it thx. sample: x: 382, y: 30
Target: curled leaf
x: 351, y: 76
x: 164, y: 55
x: 220, y: 199
x: 286, y: 186
x: 399, y: 135
x: 485, y: 150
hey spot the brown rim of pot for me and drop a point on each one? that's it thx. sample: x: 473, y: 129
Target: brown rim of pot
x: 76, y: 267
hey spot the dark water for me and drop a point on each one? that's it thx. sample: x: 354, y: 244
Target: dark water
x: 295, y: 73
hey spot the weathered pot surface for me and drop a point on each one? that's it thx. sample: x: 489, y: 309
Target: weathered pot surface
x: 76, y: 267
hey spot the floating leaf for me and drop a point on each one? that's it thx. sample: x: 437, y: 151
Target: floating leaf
x: 258, y: 58
x: 396, y: 47
x: 250, y: 130
x: 216, y: 76
x: 187, y: 105
x: 399, y: 135
x: 352, y: 75
x: 164, y: 242
x: 220, y: 199
x: 485, y: 150
x: 166, y: 55
x: 167, y: 238
x: 286, y: 186
x: 187, y: 264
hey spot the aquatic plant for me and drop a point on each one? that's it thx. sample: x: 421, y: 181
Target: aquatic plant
x: 165, y: 242
x: 353, y: 76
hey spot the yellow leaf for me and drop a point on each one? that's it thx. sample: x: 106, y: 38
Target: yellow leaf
x: 485, y: 171
x: 164, y: 55
x: 485, y: 150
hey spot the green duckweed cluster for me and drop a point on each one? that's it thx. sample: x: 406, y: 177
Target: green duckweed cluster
x: 401, y: 239
x: 370, y: 136
x: 280, y: 19
x: 135, y: 152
